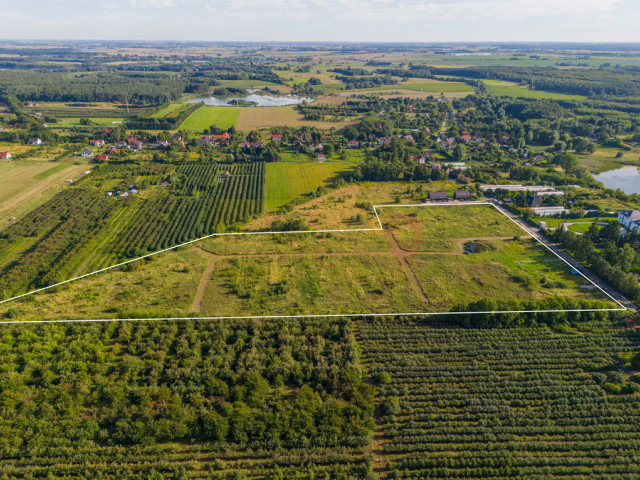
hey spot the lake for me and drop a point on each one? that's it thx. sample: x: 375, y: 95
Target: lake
x: 259, y: 100
x: 626, y: 179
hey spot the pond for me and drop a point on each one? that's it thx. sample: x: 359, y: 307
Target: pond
x: 258, y: 100
x: 626, y: 179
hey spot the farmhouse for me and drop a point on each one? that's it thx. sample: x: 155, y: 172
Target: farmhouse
x: 438, y: 196
x: 34, y: 141
x: 630, y: 220
x: 102, y: 158
x: 321, y: 157
x: 5, y: 155
x: 97, y: 142
x: 87, y: 153
x: 276, y: 137
x: 462, y: 195
x: 353, y: 144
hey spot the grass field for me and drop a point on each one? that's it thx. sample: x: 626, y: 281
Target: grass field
x: 163, y: 112
x: 604, y: 159
x: 427, y: 87
x: 509, y: 89
x: 286, y: 181
x: 24, y: 185
x: 436, y: 228
x: 204, y: 117
x: 508, y: 269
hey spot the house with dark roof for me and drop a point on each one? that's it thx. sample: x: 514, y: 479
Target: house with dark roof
x: 462, y: 195
x: 438, y: 196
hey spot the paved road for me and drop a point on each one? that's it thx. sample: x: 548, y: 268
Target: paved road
x: 581, y: 268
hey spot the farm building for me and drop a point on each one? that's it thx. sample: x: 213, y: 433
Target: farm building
x: 549, y: 211
x: 462, y: 195
x: 34, y: 141
x: 630, y: 220
x: 438, y: 196
x: 224, y: 175
x: 5, y: 155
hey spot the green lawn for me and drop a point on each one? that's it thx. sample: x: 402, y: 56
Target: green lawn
x: 204, y: 117
x: 430, y: 87
x: 508, y: 89
x: 286, y: 181
x: 163, y: 112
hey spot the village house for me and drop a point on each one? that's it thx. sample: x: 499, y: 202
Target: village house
x: 438, y: 196
x: 435, y: 166
x: 353, y: 144
x: 97, y: 142
x: 630, y: 219
x: 462, y: 195
x: 115, y: 150
x: 121, y: 144
x: 34, y: 141
x: 5, y: 155
x: 87, y: 153
x: 321, y: 157
x: 276, y: 137
x: 384, y: 141
x: 102, y: 158
x: 225, y: 137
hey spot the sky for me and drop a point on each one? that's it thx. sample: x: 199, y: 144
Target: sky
x: 324, y: 20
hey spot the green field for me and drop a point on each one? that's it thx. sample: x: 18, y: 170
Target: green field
x: 166, y: 111
x: 508, y: 89
x: 25, y: 185
x: 97, y: 120
x: 205, y: 117
x: 286, y: 181
x: 430, y: 87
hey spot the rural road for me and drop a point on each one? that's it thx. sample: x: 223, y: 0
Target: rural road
x: 581, y: 268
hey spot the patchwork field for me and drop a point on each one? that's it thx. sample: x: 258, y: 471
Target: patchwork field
x: 328, y: 273
x: 25, y: 185
x: 286, y: 181
x: 205, y: 117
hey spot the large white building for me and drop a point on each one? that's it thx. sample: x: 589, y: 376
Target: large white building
x: 630, y: 220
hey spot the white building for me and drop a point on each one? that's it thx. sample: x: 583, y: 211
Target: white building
x: 549, y: 211
x: 630, y: 219
x: 518, y: 188
x: 87, y: 153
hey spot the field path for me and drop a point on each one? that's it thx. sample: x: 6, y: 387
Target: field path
x: 204, y: 282
x: 401, y: 255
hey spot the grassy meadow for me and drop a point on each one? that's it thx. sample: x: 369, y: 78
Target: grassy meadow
x: 286, y: 181
x: 440, y: 228
x: 205, y: 117
x: 25, y: 184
